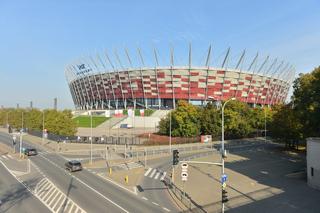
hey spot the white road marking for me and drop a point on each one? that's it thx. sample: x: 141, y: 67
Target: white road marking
x: 155, y: 203
x: 166, y: 209
x: 152, y: 173
x: 9, y: 156
x: 157, y: 175
x: 5, y: 157
x: 144, y: 198
x: 163, y: 176
x: 147, y: 172
x: 106, y: 198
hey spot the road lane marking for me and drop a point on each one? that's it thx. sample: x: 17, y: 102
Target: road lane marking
x: 5, y: 157
x: 106, y: 198
x: 147, y: 172
x: 166, y: 209
x: 152, y: 173
x: 163, y: 176
x: 157, y: 175
x: 9, y: 156
x: 155, y: 203
x: 144, y: 198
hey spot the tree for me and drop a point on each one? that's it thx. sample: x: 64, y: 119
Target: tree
x: 285, y: 124
x: 210, y: 120
x: 306, y: 102
x: 184, y: 121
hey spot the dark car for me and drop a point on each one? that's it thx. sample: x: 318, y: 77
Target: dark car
x: 73, y: 165
x: 30, y: 151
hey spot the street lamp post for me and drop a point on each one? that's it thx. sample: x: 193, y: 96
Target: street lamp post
x: 222, y: 142
x: 43, y: 127
x: 91, y: 137
x: 265, y: 125
x: 21, y: 131
x: 170, y: 140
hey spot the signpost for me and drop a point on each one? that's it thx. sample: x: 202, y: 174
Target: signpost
x: 184, y: 175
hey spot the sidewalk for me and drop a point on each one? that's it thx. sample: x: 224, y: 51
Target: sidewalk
x: 204, y: 187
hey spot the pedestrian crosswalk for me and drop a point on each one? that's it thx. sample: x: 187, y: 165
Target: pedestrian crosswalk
x: 6, y: 157
x: 55, y: 199
x: 155, y: 174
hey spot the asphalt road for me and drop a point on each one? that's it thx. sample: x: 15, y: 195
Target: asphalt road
x: 15, y: 197
x: 90, y: 192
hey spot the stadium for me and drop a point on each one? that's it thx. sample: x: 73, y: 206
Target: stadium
x: 102, y: 83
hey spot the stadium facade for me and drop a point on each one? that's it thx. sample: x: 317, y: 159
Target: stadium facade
x: 95, y: 85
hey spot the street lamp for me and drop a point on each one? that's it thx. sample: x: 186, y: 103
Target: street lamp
x: 222, y: 142
x: 91, y: 137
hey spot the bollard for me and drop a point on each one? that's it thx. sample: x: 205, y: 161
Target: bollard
x: 110, y: 171
x: 126, y: 179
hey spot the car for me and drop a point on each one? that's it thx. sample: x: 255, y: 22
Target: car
x: 30, y: 151
x: 73, y: 165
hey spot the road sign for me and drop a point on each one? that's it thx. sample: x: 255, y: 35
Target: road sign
x: 224, y: 185
x: 224, y: 178
x: 184, y: 167
x: 184, y: 176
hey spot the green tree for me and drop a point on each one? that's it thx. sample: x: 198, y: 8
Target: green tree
x: 306, y: 102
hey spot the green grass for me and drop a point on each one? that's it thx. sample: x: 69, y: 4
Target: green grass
x: 85, y: 121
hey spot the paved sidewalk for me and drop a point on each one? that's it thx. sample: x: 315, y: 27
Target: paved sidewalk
x: 258, y: 181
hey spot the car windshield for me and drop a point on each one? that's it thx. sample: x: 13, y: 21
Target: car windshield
x: 75, y: 163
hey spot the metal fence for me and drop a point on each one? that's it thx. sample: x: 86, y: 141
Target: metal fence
x: 86, y: 139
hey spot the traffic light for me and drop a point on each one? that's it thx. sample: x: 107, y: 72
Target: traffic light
x: 224, y: 196
x: 175, y: 159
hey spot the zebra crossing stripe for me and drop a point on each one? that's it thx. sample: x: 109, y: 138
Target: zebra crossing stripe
x: 157, y: 175
x: 5, y: 157
x: 9, y: 156
x: 152, y: 173
x: 147, y: 172
x: 162, y: 177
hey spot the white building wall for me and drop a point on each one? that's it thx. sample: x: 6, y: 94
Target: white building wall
x: 313, y: 162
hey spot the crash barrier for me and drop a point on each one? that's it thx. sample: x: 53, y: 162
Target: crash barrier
x: 183, y: 197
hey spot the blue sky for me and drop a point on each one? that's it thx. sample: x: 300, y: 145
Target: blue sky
x: 39, y: 38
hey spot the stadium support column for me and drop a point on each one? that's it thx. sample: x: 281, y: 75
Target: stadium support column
x: 110, y: 83
x: 156, y: 75
x: 106, y: 97
x: 141, y: 76
x: 130, y: 82
x: 95, y: 81
x: 75, y: 83
x: 262, y: 79
x: 208, y: 68
x: 115, y: 101
x: 277, y: 81
x: 225, y: 61
x: 84, y: 90
x: 253, y: 63
x: 269, y: 84
x: 119, y: 79
x: 171, y: 69
x: 189, y: 73
x: 240, y: 63
x: 71, y: 86
x: 280, y: 84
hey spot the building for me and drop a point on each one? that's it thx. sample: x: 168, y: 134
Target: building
x: 313, y: 162
x: 97, y: 83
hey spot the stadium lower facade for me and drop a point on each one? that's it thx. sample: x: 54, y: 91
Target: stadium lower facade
x: 93, y: 86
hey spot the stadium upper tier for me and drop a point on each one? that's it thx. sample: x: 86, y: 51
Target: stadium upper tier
x: 162, y: 87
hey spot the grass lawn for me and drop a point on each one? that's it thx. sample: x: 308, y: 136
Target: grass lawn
x: 85, y: 121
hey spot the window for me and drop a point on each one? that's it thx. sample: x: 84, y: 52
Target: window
x: 311, y: 171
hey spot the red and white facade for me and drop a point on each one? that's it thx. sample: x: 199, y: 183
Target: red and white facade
x: 163, y: 86
x: 94, y: 85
